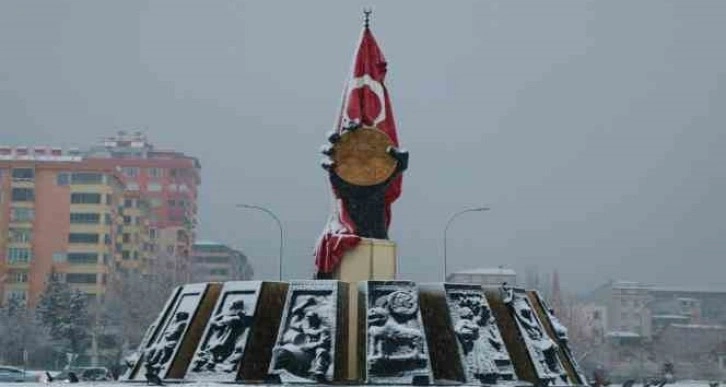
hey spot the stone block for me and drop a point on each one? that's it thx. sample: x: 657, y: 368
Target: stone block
x: 480, y: 345
x: 533, y: 353
x: 171, y: 347
x: 446, y: 363
x: 392, y: 340
x: 237, y: 341
x: 557, y: 332
x: 151, y: 334
x: 312, y: 337
x: 372, y: 259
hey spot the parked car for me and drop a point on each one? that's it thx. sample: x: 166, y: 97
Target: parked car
x: 14, y: 374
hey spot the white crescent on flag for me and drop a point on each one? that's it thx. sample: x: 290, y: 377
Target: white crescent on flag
x: 374, y: 86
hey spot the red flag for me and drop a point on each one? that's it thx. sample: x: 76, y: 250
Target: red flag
x: 365, y: 100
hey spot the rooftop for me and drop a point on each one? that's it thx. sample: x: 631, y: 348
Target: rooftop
x: 487, y: 271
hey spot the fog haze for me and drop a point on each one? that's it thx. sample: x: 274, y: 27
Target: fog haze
x: 594, y: 130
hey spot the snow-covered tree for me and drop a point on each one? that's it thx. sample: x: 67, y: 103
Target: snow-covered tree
x: 18, y: 333
x: 63, y: 312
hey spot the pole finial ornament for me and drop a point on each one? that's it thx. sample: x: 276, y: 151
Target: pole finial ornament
x: 367, y: 16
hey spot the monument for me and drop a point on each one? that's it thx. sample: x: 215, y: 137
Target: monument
x: 356, y: 323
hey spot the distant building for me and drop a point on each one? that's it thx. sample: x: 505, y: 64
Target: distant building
x: 217, y: 262
x: 484, y: 276
x: 646, y: 310
x: 58, y: 213
x: 167, y: 180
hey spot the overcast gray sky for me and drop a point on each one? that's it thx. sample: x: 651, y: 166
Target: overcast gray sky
x: 595, y: 130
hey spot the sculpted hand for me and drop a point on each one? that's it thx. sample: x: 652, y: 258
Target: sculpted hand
x: 401, y: 157
x: 328, y: 149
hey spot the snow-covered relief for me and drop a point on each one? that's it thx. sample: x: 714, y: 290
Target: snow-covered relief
x: 482, y: 350
x: 159, y: 354
x: 225, y: 337
x: 396, y: 349
x: 305, y: 348
x: 562, y: 339
x: 149, y: 335
x: 542, y: 350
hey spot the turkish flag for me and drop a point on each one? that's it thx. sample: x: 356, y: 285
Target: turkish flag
x: 365, y: 101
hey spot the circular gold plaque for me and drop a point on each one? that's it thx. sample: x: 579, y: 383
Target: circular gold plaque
x: 361, y: 158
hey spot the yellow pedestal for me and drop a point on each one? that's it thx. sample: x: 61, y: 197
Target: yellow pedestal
x: 372, y: 259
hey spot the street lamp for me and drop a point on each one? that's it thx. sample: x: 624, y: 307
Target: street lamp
x: 451, y: 219
x: 279, y: 224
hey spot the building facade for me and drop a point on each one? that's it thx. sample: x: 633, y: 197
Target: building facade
x: 167, y: 180
x: 217, y: 262
x: 58, y: 214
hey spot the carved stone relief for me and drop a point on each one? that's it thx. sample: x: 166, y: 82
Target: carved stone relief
x: 158, y: 355
x: 542, y: 350
x: 306, y: 344
x: 224, y: 340
x: 132, y: 362
x: 560, y: 333
x: 396, y: 350
x: 484, y: 355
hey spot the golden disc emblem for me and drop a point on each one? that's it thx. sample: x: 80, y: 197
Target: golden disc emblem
x: 360, y: 157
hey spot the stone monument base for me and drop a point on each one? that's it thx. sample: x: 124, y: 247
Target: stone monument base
x: 372, y: 259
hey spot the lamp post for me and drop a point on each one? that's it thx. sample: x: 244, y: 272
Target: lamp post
x: 279, y: 224
x: 451, y: 219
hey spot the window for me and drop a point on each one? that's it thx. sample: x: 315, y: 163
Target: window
x: 21, y: 214
x: 80, y: 278
x: 132, y: 186
x: 107, y: 218
x: 127, y: 220
x: 106, y: 239
x: 85, y: 218
x: 20, y: 235
x: 128, y: 203
x: 183, y: 188
x: 63, y: 178
x: 125, y: 255
x: 86, y: 178
x: 106, y: 257
x: 82, y: 258
x: 59, y: 257
x: 152, y: 233
x: 19, y: 276
x: 155, y: 172
x: 85, y: 198
x: 136, y: 255
x: 109, y: 199
x: 79, y: 237
x: 23, y: 195
x: 130, y: 171
x: 153, y: 187
x: 19, y: 255
x: 126, y: 238
x: 23, y: 174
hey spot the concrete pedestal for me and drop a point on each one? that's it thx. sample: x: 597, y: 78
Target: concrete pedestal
x: 372, y: 259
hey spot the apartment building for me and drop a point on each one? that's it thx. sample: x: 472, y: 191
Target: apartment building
x: 167, y: 180
x: 134, y: 244
x: 57, y: 214
x: 217, y: 262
